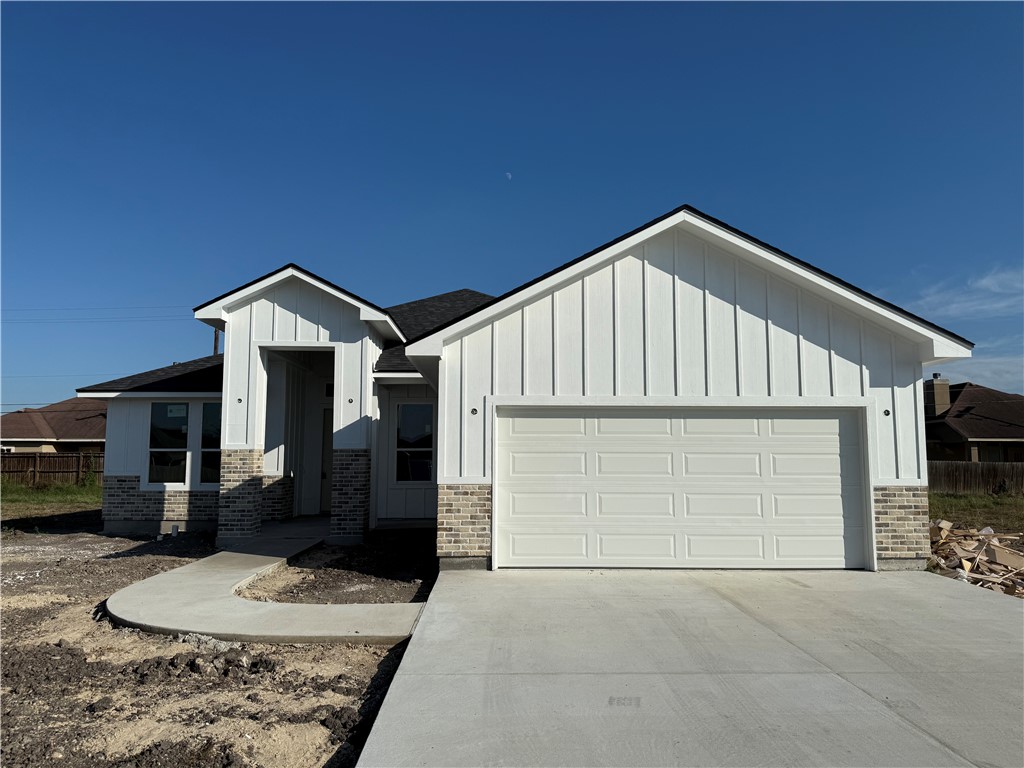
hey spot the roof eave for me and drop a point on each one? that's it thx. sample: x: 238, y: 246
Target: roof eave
x: 215, y: 311
x: 938, y: 343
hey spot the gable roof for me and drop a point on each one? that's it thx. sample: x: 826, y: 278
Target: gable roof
x: 78, y: 419
x: 213, y: 312
x: 422, y: 316
x: 204, y: 374
x: 980, y: 413
x: 427, y: 342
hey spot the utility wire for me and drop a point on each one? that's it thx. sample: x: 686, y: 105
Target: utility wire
x: 85, y: 309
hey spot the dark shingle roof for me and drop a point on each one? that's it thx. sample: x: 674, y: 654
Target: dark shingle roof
x: 80, y: 418
x: 416, y: 318
x: 204, y: 374
x: 980, y: 413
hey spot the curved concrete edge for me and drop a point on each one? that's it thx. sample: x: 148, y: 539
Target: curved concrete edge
x: 201, y: 597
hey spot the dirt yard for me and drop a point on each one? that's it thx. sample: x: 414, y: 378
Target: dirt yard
x: 79, y: 692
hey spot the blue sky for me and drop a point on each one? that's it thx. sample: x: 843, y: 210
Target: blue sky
x: 157, y: 155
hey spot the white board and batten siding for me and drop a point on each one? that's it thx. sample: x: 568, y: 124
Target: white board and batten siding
x: 296, y: 315
x: 677, y: 317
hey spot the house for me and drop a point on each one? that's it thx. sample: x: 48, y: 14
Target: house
x: 77, y: 425
x: 968, y: 422
x: 683, y: 396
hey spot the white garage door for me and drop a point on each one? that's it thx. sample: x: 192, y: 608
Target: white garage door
x: 682, y: 488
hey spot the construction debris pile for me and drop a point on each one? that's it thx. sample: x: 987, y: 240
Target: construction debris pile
x: 988, y: 559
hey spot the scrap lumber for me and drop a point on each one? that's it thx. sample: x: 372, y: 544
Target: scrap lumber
x: 985, y: 558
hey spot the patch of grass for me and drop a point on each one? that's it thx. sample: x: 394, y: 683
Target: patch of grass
x: 21, y: 501
x: 1003, y: 512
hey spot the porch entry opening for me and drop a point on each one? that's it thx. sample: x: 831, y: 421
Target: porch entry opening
x: 299, y: 428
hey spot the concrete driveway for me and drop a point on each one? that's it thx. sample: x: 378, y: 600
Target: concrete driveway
x: 707, y: 668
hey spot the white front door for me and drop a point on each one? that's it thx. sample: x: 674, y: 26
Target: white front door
x: 697, y: 488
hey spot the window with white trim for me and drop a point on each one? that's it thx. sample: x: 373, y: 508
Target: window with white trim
x: 414, y: 445
x: 184, y: 444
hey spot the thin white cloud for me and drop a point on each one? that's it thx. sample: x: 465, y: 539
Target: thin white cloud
x: 998, y: 293
x: 1002, y: 372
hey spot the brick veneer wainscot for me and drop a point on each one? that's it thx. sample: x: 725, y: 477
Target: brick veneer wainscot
x: 901, y: 527
x: 350, y: 495
x: 128, y: 508
x: 241, y: 492
x: 278, y: 497
x: 463, y: 521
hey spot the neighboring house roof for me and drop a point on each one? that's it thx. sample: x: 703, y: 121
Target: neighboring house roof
x: 980, y: 413
x: 205, y: 374
x: 691, y: 214
x: 418, y: 317
x: 76, y: 420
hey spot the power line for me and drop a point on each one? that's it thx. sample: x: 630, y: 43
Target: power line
x: 58, y: 375
x: 85, y: 309
x: 147, y: 319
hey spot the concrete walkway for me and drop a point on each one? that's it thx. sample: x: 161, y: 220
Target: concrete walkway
x: 706, y: 668
x: 200, y: 597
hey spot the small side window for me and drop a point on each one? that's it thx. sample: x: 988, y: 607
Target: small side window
x: 168, y: 442
x: 209, y: 467
x: 414, y: 460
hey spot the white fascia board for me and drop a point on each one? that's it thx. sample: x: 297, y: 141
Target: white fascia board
x: 939, y: 345
x: 216, y: 314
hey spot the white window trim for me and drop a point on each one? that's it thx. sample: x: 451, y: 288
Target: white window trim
x: 409, y: 485
x: 194, y: 445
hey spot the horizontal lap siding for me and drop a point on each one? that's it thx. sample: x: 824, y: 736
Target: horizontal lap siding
x: 677, y: 316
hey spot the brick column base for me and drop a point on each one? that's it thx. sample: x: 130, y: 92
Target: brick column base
x: 241, y: 494
x: 463, y: 526
x: 350, y: 496
x: 901, y: 527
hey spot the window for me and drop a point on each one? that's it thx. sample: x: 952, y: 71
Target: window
x: 414, y: 458
x: 209, y: 468
x: 168, y: 442
x: 184, y: 443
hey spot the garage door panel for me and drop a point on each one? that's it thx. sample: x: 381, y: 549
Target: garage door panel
x: 793, y: 548
x: 527, y: 426
x: 567, y: 546
x: 547, y: 505
x: 635, y: 504
x: 721, y: 464
x: 717, y: 548
x: 634, y: 427
x: 648, y: 546
x: 813, y: 465
x: 634, y: 464
x: 536, y: 464
x: 719, y: 506
x: 715, y: 489
x: 721, y: 427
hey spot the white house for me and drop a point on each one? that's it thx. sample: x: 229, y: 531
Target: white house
x: 684, y: 396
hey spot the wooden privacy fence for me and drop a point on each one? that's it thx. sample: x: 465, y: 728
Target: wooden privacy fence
x: 976, y: 477
x: 52, y: 468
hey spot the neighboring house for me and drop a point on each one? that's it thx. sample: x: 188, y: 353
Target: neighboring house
x: 684, y: 396
x: 968, y: 422
x: 70, y: 426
